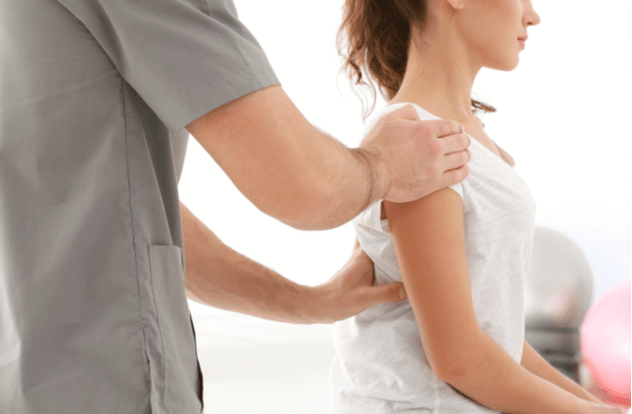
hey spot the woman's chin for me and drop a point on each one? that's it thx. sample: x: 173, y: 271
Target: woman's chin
x: 507, y: 65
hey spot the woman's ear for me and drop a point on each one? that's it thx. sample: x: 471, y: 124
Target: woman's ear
x: 456, y: 4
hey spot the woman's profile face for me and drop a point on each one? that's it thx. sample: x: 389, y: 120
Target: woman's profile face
x: 496, y: 30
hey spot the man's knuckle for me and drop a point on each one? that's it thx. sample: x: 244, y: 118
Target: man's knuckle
x: 424, y: 129
x: 452, y: 126
x: 447, y: 127
x: 435, y: 148
x: 436, y: 169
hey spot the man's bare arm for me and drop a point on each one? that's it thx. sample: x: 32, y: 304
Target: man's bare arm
x: 295, y: 173
x: 220, y: 277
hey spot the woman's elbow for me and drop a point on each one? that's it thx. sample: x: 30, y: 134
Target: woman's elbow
x: 450, y: 367
x: 456, y: 362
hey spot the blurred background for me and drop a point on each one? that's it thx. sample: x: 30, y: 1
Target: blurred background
x: 564, y: 114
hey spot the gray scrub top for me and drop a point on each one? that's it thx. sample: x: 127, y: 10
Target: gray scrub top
x: 94, y: 96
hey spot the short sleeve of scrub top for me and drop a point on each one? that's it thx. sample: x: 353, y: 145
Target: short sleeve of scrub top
x: 94, y: 96
x: 182, y: 56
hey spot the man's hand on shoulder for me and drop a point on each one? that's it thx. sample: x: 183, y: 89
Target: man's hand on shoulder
x: 414, y: 158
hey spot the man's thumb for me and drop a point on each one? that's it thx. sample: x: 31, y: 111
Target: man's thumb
x: 393, y: 292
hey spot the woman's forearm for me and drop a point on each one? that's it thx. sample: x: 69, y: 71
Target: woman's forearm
x: 534, y: 362
x: 488, y: 375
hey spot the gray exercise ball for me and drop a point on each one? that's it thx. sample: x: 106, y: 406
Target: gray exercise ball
x: 558, y: 293
x: 559, y: 283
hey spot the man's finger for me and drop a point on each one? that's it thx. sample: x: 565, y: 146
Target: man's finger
x: 445, y: 127
x: 455, y: 143
x: 393, y: 292
x: 454, y: 176
x: 456, y: 160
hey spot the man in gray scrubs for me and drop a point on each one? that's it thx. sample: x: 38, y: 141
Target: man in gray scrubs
x: 96, y: 97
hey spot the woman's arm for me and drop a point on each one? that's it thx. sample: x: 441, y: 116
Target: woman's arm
x: 429, y: 241
x: 220, y: 277
x: 534, y: 362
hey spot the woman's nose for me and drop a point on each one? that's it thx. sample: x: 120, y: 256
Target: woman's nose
x: 531, y: 18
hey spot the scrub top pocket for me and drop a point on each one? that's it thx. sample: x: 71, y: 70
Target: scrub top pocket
x: 174, y: 370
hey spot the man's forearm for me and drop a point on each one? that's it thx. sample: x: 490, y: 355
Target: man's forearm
x: 337, y: 183
x: 220, y: 277
x: 285, y: 166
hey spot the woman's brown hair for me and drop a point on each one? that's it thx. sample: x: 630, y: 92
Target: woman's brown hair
x: 374, y: 39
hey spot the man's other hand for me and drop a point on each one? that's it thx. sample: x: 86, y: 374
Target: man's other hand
x: 351, y: 290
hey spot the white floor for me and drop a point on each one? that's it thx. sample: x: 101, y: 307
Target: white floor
x: 259, y: 367
x: 254, y: 366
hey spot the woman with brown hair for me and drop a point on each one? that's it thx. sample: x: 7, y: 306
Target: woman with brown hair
x: 457, y: 345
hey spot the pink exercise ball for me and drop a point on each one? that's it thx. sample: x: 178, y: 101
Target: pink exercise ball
x: 605, y: 342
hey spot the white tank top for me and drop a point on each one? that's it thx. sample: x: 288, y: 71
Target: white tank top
x: 380, y: 366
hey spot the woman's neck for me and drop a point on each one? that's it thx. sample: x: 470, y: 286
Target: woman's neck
x: 439, y: 78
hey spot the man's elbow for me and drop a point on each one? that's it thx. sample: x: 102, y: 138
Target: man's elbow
x: 304, y: 205
x: 192, y: 296
x: 307, y: 216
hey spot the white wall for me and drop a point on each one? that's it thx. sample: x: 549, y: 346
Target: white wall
x: 564, y: 115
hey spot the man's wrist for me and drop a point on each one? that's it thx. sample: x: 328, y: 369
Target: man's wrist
x: 378, y: 182
x: 306, y: 305
x: 315, y: 304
